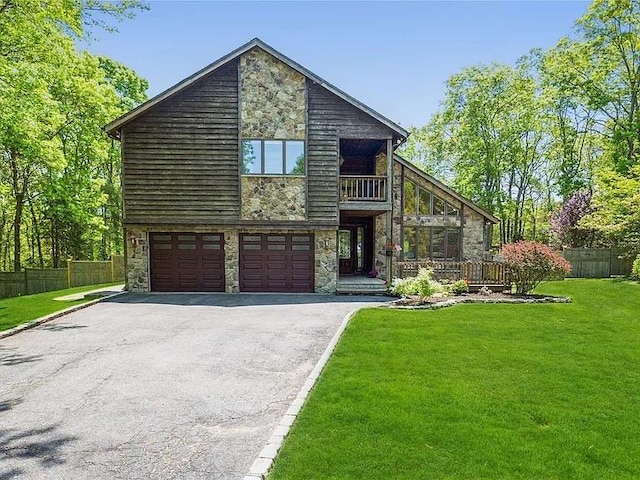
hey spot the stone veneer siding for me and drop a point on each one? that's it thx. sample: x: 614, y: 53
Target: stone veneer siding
x: 380, y: 259
x: 272, y: 98
x: 473, y: 241
x: 326, y: 261
x: 137, y: 275
x: 231, y: 261
x: 273, y: 198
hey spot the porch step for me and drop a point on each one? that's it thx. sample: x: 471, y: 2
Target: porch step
x: 361, y: 289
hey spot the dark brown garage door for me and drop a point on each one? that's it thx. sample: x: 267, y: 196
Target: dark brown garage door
x: 187, y: 262
x: 276, y: 263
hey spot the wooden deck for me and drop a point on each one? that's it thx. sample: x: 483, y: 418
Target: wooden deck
x: 478, y: 274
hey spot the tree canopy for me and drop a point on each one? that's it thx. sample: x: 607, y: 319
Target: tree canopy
x: 522, y: 140
x: 59, y: 176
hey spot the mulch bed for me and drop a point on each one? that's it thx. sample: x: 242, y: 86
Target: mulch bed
x: 417, y: 302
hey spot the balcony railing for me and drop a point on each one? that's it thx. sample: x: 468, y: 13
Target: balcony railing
x: 363, y: 188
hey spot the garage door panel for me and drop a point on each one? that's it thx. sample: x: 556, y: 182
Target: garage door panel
x: 187, y: 262
x: 276, y: 263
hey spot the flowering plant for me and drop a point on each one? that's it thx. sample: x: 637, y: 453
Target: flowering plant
x: 394, y: 246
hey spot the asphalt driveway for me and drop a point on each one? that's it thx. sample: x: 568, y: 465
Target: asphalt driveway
x: 158, y: 386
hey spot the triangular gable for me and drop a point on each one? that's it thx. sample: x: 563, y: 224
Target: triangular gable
x: 443, y: 187
x: 113, y: 128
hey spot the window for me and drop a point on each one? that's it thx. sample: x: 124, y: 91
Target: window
x: 273, y: 157
x: 431, y: 243
x: 420, y: 201
x: 409, y: 198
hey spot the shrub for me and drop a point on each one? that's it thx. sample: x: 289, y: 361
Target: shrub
x: 401, y: 286
x: 458, y: 287
x: 635, y: 269
x: 530, y: 263
x: 422, y: 284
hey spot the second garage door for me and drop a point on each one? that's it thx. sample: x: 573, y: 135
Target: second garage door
x: 276, y: 263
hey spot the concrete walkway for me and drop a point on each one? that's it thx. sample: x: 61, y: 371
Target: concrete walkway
x: 158, y: 386
x: 98, y: 292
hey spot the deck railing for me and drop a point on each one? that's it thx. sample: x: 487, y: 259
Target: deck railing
x: 363, y: 188
x: 476, y: 273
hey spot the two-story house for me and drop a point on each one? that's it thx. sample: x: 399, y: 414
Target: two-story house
x: 256, y: 175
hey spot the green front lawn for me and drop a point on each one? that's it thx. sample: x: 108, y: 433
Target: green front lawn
x: 17, y: 310
x: 543, y: 391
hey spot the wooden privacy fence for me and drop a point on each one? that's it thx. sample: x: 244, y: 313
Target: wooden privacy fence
x: 598, y: 262
x: 477, y: 273
x: 76, y: 274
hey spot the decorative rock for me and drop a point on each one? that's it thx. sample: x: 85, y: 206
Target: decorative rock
x: 272, y: 98
x: 326, y: 271
x: 137, y: 277
x: 273, y: 198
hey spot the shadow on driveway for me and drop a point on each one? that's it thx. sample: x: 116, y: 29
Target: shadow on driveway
x: 42, y: 445
x: 243, y: 299
x: 10, y: 357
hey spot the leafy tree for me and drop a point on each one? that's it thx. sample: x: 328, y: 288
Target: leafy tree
x: 616, y: 208
x: 565, y: 221
x: 53, y: 103
x: 600, y: 67
x: 490, y: 136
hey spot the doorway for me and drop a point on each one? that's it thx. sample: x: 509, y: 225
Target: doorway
x: 355, y: 246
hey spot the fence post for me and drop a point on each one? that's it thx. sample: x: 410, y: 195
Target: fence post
x: 69, y: 272
x: 113, y: 270
x: 26, y: 282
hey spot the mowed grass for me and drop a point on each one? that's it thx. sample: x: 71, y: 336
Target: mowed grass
x: 17, y: 310
x: 547, y: 391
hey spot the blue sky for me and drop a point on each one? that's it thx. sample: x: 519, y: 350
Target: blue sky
x: 393, y: 56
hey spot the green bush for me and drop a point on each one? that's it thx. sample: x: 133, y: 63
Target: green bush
x: 458, y: 287
x: 422, y: 284
x: 635, y: 269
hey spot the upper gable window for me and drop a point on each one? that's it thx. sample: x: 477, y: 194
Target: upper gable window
x: 419, y: 201
x: 273, y: 157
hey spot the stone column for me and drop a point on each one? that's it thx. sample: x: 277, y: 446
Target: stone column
x: 137, y: 260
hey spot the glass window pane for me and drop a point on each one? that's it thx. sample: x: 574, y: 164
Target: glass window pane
x: 424, y: 202
x: 438, y: 206
x: 424, y: 244
x: 295, y: 157
x: 344, y: 243
x: 409, y: 243
x: 453, y: 244
x: 251, y: 156
x: 409, y: 198
x: 437, y: 243
x: 451, y: 210
x: 273, y: 156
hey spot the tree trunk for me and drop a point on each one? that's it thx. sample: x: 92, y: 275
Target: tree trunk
x: 17, y: 221
x: 36, y: 232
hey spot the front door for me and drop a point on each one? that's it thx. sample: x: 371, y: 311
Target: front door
x: 351, y: 249
x: 346, y: 251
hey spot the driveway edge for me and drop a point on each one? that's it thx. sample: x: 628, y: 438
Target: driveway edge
x: 53, y: 316
x: 261, y: 466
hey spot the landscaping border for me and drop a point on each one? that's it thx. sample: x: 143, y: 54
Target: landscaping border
x: 459, y: 300
x: 53, y: 316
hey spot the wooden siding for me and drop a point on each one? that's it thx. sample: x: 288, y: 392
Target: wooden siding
x: 330, y: 118
x: 180, y: 159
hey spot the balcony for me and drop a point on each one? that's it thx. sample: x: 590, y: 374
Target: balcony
x: 363, y: 192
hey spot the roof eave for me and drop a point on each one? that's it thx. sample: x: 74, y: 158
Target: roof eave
x: 113, y: 127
